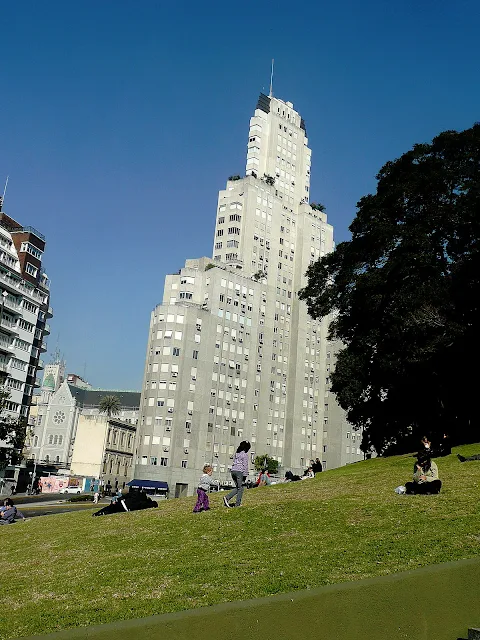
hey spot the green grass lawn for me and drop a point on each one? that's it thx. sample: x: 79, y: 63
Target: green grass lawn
x: 71, y: 569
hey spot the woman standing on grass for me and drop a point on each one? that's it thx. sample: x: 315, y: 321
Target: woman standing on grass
x: 239, y: 474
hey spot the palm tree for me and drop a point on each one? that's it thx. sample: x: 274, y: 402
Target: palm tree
x: 110, y: 405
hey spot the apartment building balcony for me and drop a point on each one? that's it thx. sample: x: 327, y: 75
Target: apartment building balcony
x: 40, y: 297
x: 12, y: 284
x: 41, y: 364
x: 8, y: 260
x: 49, y: 312
x: 6, y: 345
x: 46, y: 329
x: 11, y: 327
x: 12, y: 305
x: 6, y: 244
x: 43, y: 347
x: 44, y: 281
x: 190, y: 303
x: 4, y: 367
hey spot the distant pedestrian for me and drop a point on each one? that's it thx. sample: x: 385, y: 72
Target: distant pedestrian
x: 206, y: 481
x: 96, y: 496
x: 239, y: 474
x: 13, y: 489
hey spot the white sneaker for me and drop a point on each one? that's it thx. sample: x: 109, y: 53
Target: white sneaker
x: 226, y: 502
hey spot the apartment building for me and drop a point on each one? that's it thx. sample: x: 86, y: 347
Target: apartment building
x: 232, y: 353
x: 24, y: 310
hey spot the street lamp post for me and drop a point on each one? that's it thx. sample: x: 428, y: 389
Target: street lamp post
x: 34, y: 475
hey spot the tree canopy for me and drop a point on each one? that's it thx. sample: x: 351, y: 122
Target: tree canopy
x: 266, y: 462
x: 404, y: 295
x: 110, y: 405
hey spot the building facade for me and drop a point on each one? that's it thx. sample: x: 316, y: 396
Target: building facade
x: 104, y: 449
x: 24, y: 310
x: 341, y: 442
x: 59, y: 414
x: 232, y: 353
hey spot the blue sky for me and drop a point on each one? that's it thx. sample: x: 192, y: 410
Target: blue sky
x: 121, y: 120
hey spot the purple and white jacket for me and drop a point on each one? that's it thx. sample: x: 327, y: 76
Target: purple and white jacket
x: 240, y: 463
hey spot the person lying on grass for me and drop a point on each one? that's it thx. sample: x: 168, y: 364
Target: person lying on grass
x: 469, y: 459
x: 133, y: 501
x: 425, y: 478
x: 290, y: 477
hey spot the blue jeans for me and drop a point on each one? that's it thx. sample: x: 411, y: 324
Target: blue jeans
x: 237, y: 477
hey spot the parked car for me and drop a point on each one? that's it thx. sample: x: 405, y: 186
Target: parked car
x: 72, y: 490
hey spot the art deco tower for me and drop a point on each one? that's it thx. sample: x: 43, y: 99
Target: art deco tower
x: 232, y: 353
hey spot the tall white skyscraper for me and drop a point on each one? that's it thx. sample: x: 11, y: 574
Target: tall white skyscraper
x: 232, y: 354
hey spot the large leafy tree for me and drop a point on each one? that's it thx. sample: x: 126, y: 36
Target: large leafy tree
x: 266, y: 462
x: 110, y: 405
x: 12, y: 434
x: 404, y: 295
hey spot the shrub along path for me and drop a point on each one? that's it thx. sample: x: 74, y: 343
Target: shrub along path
x: 347, y: 524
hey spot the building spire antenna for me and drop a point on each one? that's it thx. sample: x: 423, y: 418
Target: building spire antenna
x: 2, y: 198
x: 271, y: 80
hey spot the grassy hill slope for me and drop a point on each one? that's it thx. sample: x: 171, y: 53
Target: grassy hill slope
x: 347, y: 524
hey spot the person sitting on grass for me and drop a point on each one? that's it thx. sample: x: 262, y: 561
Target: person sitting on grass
x: 133, y: 501
x: 263, y: 478
x: 425, y: 478
x: 206, y: 481
x: 444, y: 448
x: 308, y: 474
x: 9, y: 512
x: 425, y: 446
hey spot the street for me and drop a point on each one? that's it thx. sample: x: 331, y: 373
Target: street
x: 51, y: 503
